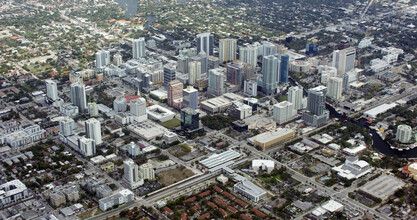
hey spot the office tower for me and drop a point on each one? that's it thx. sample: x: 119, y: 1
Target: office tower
x: 326, y: 72
x: 227, y: 49
x: 138, y: 48
x: 249, y: 54
x: 120, y: 104
x: 212, y: 62
x: 93, y: 130
x: 138, y: 109
x: 266, y: 49
x: 182, y: 64
x: 190, y: 97
x: 270, y: 72
x: 189, y: 119
x: 169, y: 73
x: 283, y: 112
x: 216, y: 78
x: 131, y: 174
x: 175, y: 94
x: 295, y: 96
x: 66, y: 126
x: 235, y: 72
x: 316, y: 114
x: 250, y: 88
x: 281, y: 49
x: 194, y: 72
x: 344, y: 60
x: 102, y: 59
x: 334, y: 88
x: 51, y: 90
x: 78, y: 97
x: 87, y: 146
x: 92, y: 109
x: 312, y: 49
x: 404, y: 133
x: 117, y: 59
x: 283, y: 71
x: 146, y: 172
x: 205, y: 42
x: 203, y: 59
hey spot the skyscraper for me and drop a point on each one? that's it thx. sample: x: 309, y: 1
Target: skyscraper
x: 92, y: 109
x: 235, y: 72
x: 93, y: 130
x: 194, y: 71
x: 283, y: 71
x: 66, y: 126
x: 189, y: 119
x: 205, y: 42
x: 203, y: 59
x: 182, y: 64
x: 312, y: 49
x: 117, y: 59
x: 216, y: 79
x: 78, y: 97
x: 131, y: 174
x: 283, y: 112
x: 51, y: 90
x: 138, y: 109
x: 295, y: 96
x: 146, y: 172
x: 190, y: 97
x: 334, y: 88
x: 249, y: 54
x: 227, y: 49
x: 86, y: 146
x: 175, y: 94
x: 267, y: 48
x: 270, y: 72
x: 138, y: 48
x: 344, y: 60
x: 120, y: 104
x: 316, y: 114
x: 169, y: 73
x: 404, y: 133
x: 102, y: 59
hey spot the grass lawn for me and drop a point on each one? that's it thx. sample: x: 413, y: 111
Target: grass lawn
x: 170, y: 124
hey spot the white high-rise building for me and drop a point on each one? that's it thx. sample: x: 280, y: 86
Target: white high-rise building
x: 138, y: 109
x: 87, y: 146
x: 102, y: 59
x: 335, y: 88
x: 138, y: 48
x: 190, y: 97
x: 131, y: 174
x: 216, y: 82
x: 344, y: 60
x: 117, y: 59
x: 326, y: 72
x: 404, y: 133
x: 92, y: 109
x: 146, y: 172
x: 250, y: 88
x: 249, y: 54
x: 227, y: 49
x: 283, y: 112
x: 93, y: 130
x: 78, y: 97
x: 66, y: 126
x: 120, y: 104
x: 51, y: 90
x: 270, y: 73
x: 295, y: 96
x: 194, y: 71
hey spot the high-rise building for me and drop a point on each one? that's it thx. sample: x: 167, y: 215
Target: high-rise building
x: 102, y: 59
x: 93, y: 130
x: 295, y: 96
x: 270, y: 72
x: 194, y: 72
x: 131, y: 174
x: 92, y: 109
x: 120, y: 104
x: 138, y: 109
x: 189, y: 119
x: 175, y: 94
x: 283, y: 71
x: 344, y: 60
x: 205, y: 42
x: 326, y: 72
x: 182, y: 64
x: 216, y: 79
x: 235, y: 72
x: 316, y: 114
x: 266, y: 49
x: 190, y: 97
x: 78, y: 97
x: 169, y: 73
x: 86, y: 146
x: 212, y: 62
x: 146, y: 172
x: 312, y: 49
x: 117, y: 59
x: 334, y: 88
x: 66, y: 126
x: 250, y: 88
x: 283, y: 112
x: 51, y: 90
x: 203, y: 59
x: 249, y: 54
x: 227, y: 49
x: 404, y: 133
x: 138, y: 48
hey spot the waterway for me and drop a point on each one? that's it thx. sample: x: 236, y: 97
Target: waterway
x: 130, y: 7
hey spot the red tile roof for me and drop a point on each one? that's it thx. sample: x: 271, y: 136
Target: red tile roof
x: 203, y: 194
x: 168, y: 211
x: 241, y: 203
x: 184, y: 216
x: 192, y: 199
x: 231, y: 209
x: 204, y: 216
x: 228, y: 195
x: 196, y: 207
x: 214, y: 206
x: 220, y: 201
x: 218, y: 189
x: 224, y: 213
x: 243, y: 216
x: 131, y: 97
x: 258, y: 213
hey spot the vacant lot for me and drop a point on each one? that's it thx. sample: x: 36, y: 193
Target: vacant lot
x: 170, y: 124
x: 175, y: 175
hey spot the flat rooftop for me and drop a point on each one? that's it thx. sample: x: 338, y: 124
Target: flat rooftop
x: 383, y: 186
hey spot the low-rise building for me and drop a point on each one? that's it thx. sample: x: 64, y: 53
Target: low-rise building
x: 268, y: 139
x: 12, y: 191
x: 353, y: 168
x: 265, y: 165
x: 249, y: 190
x: 107, y: 166
x: 123, y: 196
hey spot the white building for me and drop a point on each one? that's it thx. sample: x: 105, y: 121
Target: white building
x: 92, y: 109
x: 78, y: 96
x: 239, y: 110
x: 216, y: 82
x: 249, y: 190
x: 69, y: 110
x: 120, y: 104
x: 326, y: 72
x: 12, y: 191
x: 147, y: 130
x: 159, y: 113
x: 344, y: 60
x: 23, y: 136
x: 249, y: 54
x: 265, y: 165
x: 295, y: 96
x: 93, y: 130
x: 194, y: 72
x: 138, y: 48
x: 283, y: 112
x: 117, y: 59
x: 86, y: 146
x: 51, y: 90
x: 364, y: 43
x: 404, y: 133
x: 335, y: 88
x: 66, y: 126
x: 353, y: 168
x: 146, y: 172
x: 227, y: 49
x: 373, y: 113
x: 123, y: 196
x: 131, y: 174
x: 250, y: 88
x: 138, y: 109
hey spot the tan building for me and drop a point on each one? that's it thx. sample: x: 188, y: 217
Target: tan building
x: 71, y: 194
x: 413, y: 170
x: 107, y: 166
x: 270, y: 138
x: 57, y: 199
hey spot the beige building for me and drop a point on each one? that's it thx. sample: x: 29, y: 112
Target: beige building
x: 270, y: 138
x: 413, y: 170
x: 107, y: 166
x: 71, y: 194
x: 57, y: 199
